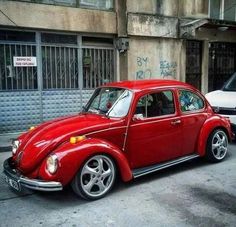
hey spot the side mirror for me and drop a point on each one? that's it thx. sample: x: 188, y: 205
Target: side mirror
x: 138, y: 117
x: 216, y: 109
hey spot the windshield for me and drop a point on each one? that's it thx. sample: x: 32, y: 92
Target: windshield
x: 230, y: 84
x: 110, y: 101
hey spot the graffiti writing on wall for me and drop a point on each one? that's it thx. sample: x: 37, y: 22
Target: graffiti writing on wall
x: 143, y: 72
x: 168, y: 69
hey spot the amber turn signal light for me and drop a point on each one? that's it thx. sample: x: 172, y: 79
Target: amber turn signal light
x: 76, y: 139
x: 32, y: 128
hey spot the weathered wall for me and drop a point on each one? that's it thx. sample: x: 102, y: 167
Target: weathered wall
x: 155, y: 58
x: 151, y: 25
x: 31, y: 15
x: 174, y: 8
x: 142, y: 6
x: 193, y: 8
x: 215, y: 35
x: 168, y: 7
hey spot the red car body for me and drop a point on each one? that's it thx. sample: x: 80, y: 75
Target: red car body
x: 135, y: 145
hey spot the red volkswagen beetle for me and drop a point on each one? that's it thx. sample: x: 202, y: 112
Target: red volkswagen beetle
x: 130, y: 128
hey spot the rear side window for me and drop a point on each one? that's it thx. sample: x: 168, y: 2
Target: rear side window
x: 190, y: 101
x: 156, y: 104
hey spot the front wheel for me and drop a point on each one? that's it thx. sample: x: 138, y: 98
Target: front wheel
x: 95, y: 178
x: 217, y: 146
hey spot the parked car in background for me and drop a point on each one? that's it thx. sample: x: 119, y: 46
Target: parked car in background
x: 224, y: 101
x: 130, y: 128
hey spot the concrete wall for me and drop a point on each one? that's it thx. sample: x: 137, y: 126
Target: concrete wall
x: 156, y: 58
x: 40, y: 16
x: 142, y: 6
x: 151, y: 25
x: 193, y: 8
x: 174, y: 8
x: 168, y: 7
x: 215, y: 35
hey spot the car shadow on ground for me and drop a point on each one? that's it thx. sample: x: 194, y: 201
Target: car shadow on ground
x: 67, y: 196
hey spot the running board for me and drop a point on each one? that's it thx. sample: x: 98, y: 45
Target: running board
x: 150, y: 169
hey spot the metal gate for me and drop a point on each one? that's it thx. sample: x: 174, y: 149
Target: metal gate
x: 222, y: 64
x: 62, y: 82
x: 193, y: 63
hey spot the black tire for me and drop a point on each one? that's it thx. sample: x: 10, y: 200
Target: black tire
x: 217, y: 146
x: 95, y: 178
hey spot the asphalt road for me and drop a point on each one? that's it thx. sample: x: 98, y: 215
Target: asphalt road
x: 195, y: 193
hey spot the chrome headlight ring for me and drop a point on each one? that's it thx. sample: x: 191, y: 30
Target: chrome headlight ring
x: 52, y: 163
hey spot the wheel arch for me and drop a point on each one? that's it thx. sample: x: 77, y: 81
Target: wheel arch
x: 207, y: 130
x: 77, y: 154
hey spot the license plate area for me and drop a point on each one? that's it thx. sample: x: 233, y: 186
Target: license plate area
x: 13, y: 183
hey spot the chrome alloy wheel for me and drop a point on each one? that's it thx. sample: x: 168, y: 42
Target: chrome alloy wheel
x: 219, y: 145
x: 97, y: 176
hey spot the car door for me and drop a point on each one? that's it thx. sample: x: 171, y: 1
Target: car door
x: 154, y: 134
x: 193, y: 116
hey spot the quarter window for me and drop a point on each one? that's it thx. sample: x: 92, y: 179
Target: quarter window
x: 155, y: 104
x: 189, y: 101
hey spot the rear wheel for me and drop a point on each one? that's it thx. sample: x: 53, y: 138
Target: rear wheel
x: 217, y: 146
x: 95, y: 178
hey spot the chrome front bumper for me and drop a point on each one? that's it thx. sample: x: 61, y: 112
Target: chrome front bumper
x: 15, y: 180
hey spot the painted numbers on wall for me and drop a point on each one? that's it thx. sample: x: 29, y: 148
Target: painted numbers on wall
x: 143, y: 72
x: 168, y: 69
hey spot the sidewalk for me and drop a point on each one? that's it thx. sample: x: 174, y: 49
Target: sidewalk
x: 5, y: 141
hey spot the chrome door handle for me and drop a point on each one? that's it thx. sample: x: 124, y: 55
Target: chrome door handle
x: 175, y: 122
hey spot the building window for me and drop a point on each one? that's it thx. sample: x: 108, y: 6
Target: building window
x: 92, y: 4
x: 222, y: 9
x: 97, y: 4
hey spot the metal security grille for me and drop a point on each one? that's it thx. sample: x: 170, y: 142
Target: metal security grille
x: 16, y: 78
x: 98, y: 67
x: 193, y: 63
x: 222, y: 64
x: 68, y: 68
x: 60, y: 67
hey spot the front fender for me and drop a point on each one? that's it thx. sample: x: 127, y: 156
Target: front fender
x: 208, y: 127
x: 72, y: 156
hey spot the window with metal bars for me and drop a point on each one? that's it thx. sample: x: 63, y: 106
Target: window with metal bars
x: 60, y: 67
x: 193, y: 63
x: 17, y: 78
x: 98, y: 67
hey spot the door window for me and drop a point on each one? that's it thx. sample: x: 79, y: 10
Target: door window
x: 155, y: 104
x: 190, y: 101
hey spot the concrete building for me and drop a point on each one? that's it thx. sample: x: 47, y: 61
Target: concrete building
x: 53, y: 53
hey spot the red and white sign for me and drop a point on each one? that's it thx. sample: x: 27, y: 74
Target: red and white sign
x: 24, y: 61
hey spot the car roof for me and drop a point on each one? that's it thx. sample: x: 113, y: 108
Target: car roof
x: 137, y: 85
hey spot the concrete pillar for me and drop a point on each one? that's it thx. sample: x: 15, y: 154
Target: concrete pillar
x: 182, y: 67
x: 122, y: 59
x: 205, y: 66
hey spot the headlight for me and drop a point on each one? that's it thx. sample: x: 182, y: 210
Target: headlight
x: 15, y: 146
x: 52, y: 164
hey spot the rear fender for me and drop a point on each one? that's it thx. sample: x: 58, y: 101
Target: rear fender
x: 72, y: 156
x: 209, y: 126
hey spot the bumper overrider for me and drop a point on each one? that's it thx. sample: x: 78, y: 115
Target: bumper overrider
x: 17, y: 181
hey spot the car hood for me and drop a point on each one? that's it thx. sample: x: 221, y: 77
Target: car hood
x: 221, y: 98
x: 42, y: 140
